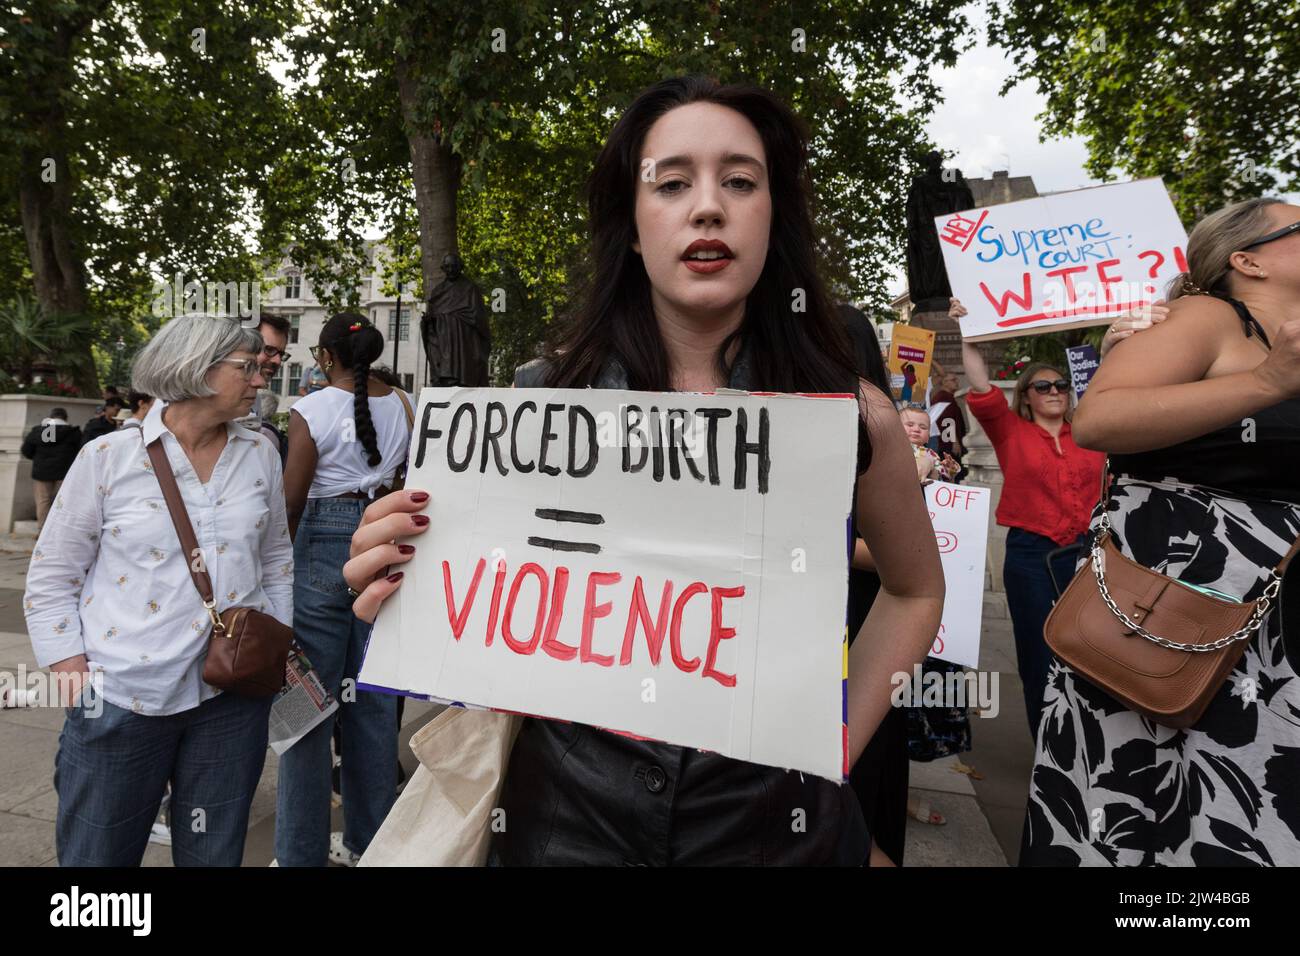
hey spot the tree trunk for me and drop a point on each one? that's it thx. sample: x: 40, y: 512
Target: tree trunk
x: 58, y: 272
x: 435, y: 170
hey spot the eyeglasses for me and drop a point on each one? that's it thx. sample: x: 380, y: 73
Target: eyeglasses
x: 315, y: 351
x: 1042, y: 388
x: 1272, y: 236
x: 250, y: 367
x: 271, y: 352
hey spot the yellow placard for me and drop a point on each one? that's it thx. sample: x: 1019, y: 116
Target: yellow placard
x: 910, y: 354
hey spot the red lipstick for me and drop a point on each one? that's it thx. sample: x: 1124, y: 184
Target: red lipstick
x: 707, y: 256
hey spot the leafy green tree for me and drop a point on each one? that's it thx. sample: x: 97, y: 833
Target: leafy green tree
x: 492, y: 115
x: 135, y: 136
x: 1204, y: 93
x: 32, y: 339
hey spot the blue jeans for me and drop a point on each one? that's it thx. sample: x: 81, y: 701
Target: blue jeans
x: 1030, y: 597
x: 112, y: 770
x: 325, y: 627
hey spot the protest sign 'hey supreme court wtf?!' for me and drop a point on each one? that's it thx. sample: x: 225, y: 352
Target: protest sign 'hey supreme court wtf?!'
x: 668, y: 565
x: 1062, y: 261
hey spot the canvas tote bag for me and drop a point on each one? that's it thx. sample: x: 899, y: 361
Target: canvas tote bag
x: 444, y: 816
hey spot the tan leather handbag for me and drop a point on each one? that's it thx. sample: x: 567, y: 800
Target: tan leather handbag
x: 1155, y: 644
x: 248, y: 648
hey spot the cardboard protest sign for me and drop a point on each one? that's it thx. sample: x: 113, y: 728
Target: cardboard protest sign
x: 1083, y: 365
x: 911, y: 351
x: 669, y: 565
x: 961, y: 527
x: 1062, y: 261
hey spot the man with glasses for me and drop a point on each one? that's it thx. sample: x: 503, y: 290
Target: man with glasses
x: 274, y: 330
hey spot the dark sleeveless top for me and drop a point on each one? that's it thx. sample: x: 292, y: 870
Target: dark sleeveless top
x: 578, y: 795
x: 1258, y: 457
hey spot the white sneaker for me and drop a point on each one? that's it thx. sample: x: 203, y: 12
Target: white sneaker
x: 339, y: 853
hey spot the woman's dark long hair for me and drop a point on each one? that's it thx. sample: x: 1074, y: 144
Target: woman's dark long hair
x: 788, y: 350
x: 866, y: 346
x: 355, y: 344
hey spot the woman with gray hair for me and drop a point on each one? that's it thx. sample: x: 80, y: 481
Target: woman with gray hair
x: 1201, y: 417
x: 113, y: 611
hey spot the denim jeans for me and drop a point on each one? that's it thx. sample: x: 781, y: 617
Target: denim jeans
x: 325, y: 627
x: 112, y: 770
x: 1030, y: 596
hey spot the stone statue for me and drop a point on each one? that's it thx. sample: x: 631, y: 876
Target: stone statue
x: 457, y: 338
x: 930, y: 196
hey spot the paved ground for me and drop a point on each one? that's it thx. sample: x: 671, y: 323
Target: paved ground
x: 984, y: 816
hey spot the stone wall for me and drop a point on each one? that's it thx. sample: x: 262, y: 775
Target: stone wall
x: 18, y: 413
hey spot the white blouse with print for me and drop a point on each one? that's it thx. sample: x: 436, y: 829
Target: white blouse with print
x: 109, y: 579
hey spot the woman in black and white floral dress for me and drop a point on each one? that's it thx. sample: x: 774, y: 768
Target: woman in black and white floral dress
x: 1201, y: 415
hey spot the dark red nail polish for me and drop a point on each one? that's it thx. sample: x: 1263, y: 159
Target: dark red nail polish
x: 394, y: 578
x: 420, y: 520
x: 406, y: 549
x: 419, y: 497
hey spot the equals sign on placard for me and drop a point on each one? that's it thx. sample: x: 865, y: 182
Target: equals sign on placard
x: 577, y: 517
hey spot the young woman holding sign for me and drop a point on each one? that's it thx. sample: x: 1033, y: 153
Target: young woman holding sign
x: 703, y: 249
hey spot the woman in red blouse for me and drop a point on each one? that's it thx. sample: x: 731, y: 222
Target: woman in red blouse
x: 1050, y: 486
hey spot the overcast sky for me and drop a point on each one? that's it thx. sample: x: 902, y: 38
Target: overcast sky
x: 986, y: 132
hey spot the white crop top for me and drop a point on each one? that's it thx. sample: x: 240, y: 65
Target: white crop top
x: 341, y: 465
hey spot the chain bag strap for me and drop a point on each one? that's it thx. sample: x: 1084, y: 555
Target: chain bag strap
x: 1157, y: 645
x: 1262, y: 604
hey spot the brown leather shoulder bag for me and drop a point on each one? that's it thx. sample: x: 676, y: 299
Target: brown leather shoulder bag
x: 248, y: 648
x: 1155, y: 644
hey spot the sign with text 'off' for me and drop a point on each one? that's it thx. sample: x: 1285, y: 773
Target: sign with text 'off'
x: 672, y: 566
x: 960, y: 514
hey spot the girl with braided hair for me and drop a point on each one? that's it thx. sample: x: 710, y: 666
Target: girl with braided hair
x: 346, y: 444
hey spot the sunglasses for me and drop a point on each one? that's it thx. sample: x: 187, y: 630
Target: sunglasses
x: 1272, y: 236
x: 1042, y: 388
